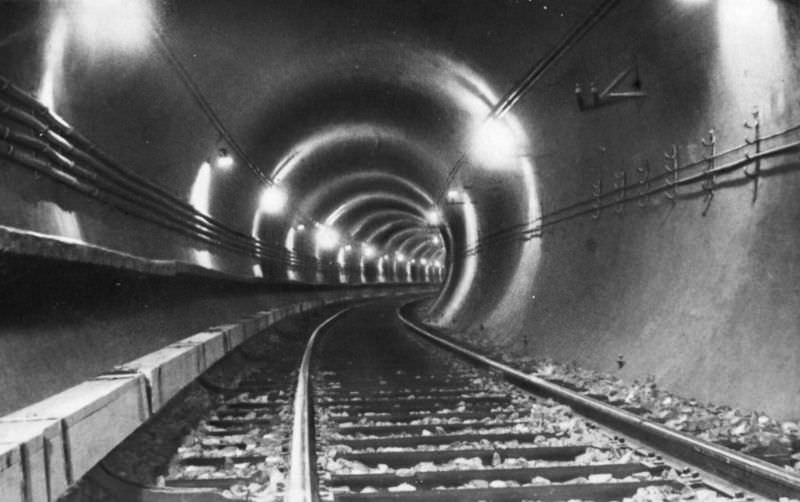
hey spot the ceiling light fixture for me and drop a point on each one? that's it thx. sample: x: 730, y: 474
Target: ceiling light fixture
x: 327, y: 238
x: 367, y: 251
x: 273, y: 199
x: 224, y: 159
x: 433, y: 217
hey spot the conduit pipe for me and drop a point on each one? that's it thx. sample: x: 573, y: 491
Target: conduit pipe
x: 153, y: 197
x: 119, y: 175
x: 535, y: 226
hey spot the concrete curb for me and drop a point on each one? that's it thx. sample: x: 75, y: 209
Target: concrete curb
x: 47, y: 446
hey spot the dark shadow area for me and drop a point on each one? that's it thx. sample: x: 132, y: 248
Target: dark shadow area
x: 36, y: 288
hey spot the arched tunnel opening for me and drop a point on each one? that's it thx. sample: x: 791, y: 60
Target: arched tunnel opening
x: 604, y: 190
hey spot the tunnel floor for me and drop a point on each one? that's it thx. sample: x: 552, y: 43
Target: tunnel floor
x: 395, y: 418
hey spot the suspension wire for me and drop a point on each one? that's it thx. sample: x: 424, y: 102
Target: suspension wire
x: 534, y: 74
x: 204, y: 105
x: 186, y: 78
x: 545, y: 63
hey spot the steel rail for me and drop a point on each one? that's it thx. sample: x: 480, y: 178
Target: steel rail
x: 302, y: 483
x: 737, y: 468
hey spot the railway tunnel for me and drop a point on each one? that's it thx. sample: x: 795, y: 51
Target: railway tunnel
x: 599, y: 191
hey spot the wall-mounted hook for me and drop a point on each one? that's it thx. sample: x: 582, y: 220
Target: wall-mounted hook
x: 755, y: 125
x: 595, y: 92
x: 710, y: 142
x: 579, y: 96
x: 597, y: 191
x: 620, y: 181
x: 610, y: 94
x: 671, y: 179
x: 644, y: 183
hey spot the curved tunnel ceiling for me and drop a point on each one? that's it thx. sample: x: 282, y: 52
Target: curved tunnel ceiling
x: 360, y: 111
x: 373, y: 129
x: 376, y: 222
x: 385, y: 230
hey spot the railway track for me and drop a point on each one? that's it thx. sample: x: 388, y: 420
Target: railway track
x: 374, y: 412
x: 240, y: 445
x: 233, y: 441
x: 398, y: 421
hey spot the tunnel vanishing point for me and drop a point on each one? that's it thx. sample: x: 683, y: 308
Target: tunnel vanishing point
x: 606, y: 183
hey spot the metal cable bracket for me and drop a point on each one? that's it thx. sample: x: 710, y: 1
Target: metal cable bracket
x: 755, y: 125
x: 610, y: 94
x: 671, y: 179
x: 709, y: 142
x: 644, y: 183
x: 620, y: 181
x: 597, y: 192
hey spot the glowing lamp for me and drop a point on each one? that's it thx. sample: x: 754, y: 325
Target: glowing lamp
x: 327, y: 238
x: 494, y: 143
x: 224, y: 159
x: 433, y: 217
x: 367, y: 251
x: 123, y: 23
x: 273, y: 200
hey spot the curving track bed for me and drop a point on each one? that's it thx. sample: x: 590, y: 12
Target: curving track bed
x: 225, y: 438
x: 365, y: 409
x: 399, y: 419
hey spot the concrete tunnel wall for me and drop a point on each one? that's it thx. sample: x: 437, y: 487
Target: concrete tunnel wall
x: 709, y: 305
x: 677, y: 294
x: 63, y: 322
x: 120, y: 104
x: 134, y: 107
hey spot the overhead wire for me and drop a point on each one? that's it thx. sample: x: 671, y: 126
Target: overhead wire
x: 513, y: 96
